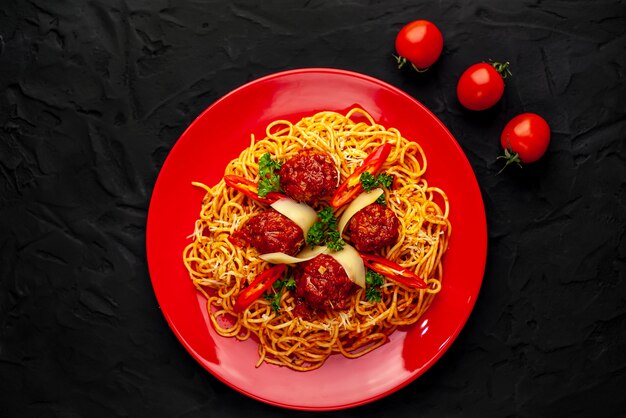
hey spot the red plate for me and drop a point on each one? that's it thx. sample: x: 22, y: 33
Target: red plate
x: 217, y: 136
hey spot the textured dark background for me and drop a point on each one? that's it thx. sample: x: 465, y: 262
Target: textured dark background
x: 93, y: 95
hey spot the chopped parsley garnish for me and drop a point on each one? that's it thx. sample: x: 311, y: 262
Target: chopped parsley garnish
x: 328, y: 217
x: 334, y: 241
x: 381, y: 199
x: 324, y: 231
x: 269, y: 184
x: 267, y: 165
x: 373, y: 282
x: 269, y: 181
x: 274, y: 298
x: 289, y: 284
x: 279, y: 286
x: 369, y: 181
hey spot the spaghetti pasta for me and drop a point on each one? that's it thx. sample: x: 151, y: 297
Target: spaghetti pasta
x: 220, y: 270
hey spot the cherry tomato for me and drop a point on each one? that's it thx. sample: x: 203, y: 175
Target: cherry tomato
x: 482, y: 85
x: 525, y: 139
x: 419, y: 43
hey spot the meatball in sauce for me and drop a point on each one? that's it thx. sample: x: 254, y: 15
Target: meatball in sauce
x: 270, y: 232
x: 322, y: 283
x: 373, y: 227
x: 309, y: 176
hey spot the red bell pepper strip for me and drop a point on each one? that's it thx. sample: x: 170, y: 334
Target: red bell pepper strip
x: 393, y: 271
x: 251, y: 189
x: 351, y: 187
x: 262, y: 282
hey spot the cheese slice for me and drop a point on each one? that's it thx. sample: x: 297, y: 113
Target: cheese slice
x: 361, y: 201
x: 304, y: 255
x: 300, y: 213
x: 348, y: 257
x: 352, y: 263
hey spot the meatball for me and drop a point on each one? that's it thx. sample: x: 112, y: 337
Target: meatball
x: 309, y: 176
x: 373, y: 227
x: 323, y: 283
x: 270, y: 231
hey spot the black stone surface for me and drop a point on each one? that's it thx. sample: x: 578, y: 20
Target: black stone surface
x: 93, y: 95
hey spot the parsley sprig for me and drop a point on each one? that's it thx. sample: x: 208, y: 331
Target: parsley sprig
x: 269, y: 181
x: 373, y: 282
x: 369, y: 181
x: 324, y: 231
x: 277, y: 294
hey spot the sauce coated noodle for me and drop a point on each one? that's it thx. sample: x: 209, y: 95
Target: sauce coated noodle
x: 220, y: 270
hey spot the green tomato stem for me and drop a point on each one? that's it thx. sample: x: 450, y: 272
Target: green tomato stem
x: 511, y: 158
x: 401, y: 61
x: 502, y: 68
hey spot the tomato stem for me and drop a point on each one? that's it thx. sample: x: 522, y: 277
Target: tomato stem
x: 401, y: 61
x: 502, y: 68
x: 419, y: 70
x: 510, y: 157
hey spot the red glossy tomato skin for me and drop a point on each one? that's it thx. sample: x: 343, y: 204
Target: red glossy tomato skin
x: 527, y: 135
x: 420, y: 42
x: 480, y: 87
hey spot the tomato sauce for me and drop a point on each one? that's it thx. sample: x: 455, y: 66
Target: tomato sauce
x: 270, y: 232
x: 373, y: 227
x: 308, y: 177
x: 323, y: 284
